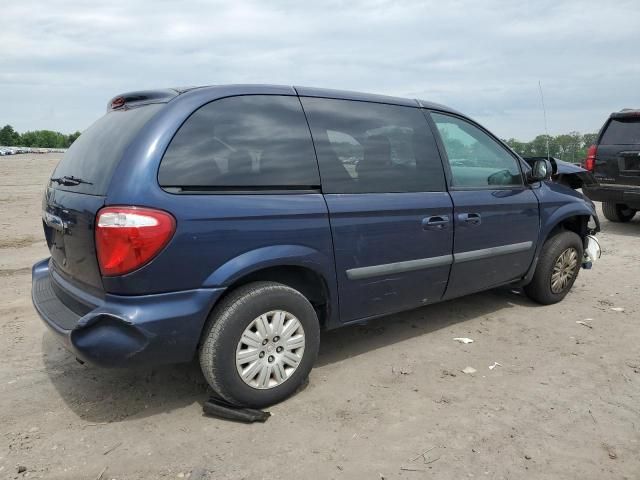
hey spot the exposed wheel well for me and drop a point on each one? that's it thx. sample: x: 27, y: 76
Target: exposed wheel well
x: 305, y: 280
x: 577, y: 224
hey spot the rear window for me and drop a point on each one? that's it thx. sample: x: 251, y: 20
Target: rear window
x: 94, y: 156
x: 622, y: 132
x: 245, y: 142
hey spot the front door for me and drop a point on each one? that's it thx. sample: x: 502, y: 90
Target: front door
x: 391, y: 217
x: 496, y: 215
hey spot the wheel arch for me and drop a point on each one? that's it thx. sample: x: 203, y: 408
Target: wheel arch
x: 573, y: 216
x: 300, y: 267
x: 570, y: 217
x: 574, y: 223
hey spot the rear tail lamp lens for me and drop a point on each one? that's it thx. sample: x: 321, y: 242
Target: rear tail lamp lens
x: 590, y: 161
x: 129, y: 237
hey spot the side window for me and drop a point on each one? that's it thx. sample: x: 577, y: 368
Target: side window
x: 246, y: 141
x: 367, y: 147
x: 476, y: 159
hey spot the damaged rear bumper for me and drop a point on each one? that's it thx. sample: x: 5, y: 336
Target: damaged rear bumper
x: 120, y: 330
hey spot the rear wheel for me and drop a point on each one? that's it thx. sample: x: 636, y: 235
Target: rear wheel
x: 260, y: 344
x: 557, y: 269
x: 617, y: 212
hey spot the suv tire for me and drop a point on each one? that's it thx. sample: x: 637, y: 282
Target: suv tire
x: 561, y: 256
x: 241, y: 338
x: 617, y: 212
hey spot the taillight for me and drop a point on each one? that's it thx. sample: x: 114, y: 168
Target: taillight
x: 117, y: 103
x: 590, y: 161
x: 129, y: 237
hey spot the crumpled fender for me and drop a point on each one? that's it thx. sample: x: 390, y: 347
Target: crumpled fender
x: 562, y: 167
x: 573, y: 176
x: 564, y: 173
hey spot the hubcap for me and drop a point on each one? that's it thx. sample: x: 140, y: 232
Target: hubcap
x: 270, y: 349
x: 564, y: 270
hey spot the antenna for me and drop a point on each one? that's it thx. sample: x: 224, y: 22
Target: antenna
x: 544, y: 112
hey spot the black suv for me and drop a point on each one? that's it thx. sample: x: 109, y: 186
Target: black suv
x: 615, y: 162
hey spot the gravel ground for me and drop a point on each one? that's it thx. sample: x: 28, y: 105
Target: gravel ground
x: 387, y: 400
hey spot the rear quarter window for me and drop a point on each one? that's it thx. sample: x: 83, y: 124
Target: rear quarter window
x: 245, y: 142
x: 95, y: 154
x: 622, y: 132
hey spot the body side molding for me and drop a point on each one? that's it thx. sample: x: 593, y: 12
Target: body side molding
x: 491, y: 252
x: 398, y: 267
x: 361, y: 273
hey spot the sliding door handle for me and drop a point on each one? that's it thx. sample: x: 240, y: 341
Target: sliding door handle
x: 437, y: 222
x: 471, y: 219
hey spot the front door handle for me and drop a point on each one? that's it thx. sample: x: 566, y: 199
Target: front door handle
x: 437, y: 222
x: 471, y: 219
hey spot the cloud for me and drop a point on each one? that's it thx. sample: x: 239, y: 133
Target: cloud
x: 61, y: 60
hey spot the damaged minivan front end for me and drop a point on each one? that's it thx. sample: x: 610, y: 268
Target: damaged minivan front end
x: 566, y: 173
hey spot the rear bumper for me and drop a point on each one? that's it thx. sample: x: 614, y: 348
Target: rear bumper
x: 622, y: 194
x: 122, y: 330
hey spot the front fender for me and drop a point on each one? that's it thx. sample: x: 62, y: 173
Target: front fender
x: 557, y: 215
x: 557, y: 203
x: 272, y: 256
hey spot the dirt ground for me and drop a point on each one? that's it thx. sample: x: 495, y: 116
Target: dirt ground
x: 387, y: 400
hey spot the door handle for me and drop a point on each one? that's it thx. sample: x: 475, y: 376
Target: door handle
x: 437, y: 222
x: 471, y: 219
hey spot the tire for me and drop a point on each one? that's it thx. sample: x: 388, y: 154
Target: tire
x: 541, y: 289
x: 617, y: 212
x: 228, y: 324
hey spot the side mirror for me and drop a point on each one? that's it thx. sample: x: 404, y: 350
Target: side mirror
x: 541, y: 170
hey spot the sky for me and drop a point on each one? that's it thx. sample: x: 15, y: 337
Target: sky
x: 62, y: 60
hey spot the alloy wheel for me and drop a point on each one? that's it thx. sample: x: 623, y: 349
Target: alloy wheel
x: 564, y: 270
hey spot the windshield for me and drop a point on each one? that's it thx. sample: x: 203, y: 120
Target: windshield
x: 89, y: 163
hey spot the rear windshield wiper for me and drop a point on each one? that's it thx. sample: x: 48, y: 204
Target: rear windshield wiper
x: 70, y: 181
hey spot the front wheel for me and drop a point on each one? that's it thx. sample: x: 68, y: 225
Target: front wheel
x: 617, y: 212
x: 557, y: 269
x: 260, y: 344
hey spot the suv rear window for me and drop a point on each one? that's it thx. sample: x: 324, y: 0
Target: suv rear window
x: 95, y: 154
x: 245, y: 142
x: 622, y: 131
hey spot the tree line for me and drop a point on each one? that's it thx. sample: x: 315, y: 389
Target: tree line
x: 37, y: 138
x: 570, y: 147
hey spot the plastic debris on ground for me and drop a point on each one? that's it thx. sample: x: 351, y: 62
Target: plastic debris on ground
x: 217, y: 407
x: 469, y: 370
x: 464, y: 340
x: 495, y: 364
x: 584, y: 323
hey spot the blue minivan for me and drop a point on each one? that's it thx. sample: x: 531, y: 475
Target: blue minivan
x: 235, y: 222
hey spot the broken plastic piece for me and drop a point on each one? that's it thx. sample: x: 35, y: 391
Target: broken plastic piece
x: 469, y: 370
x: 495, y: 364
x: 463, y: 340
x: 217, y: 407
x: 592, y: 252
x: 617, y: 309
